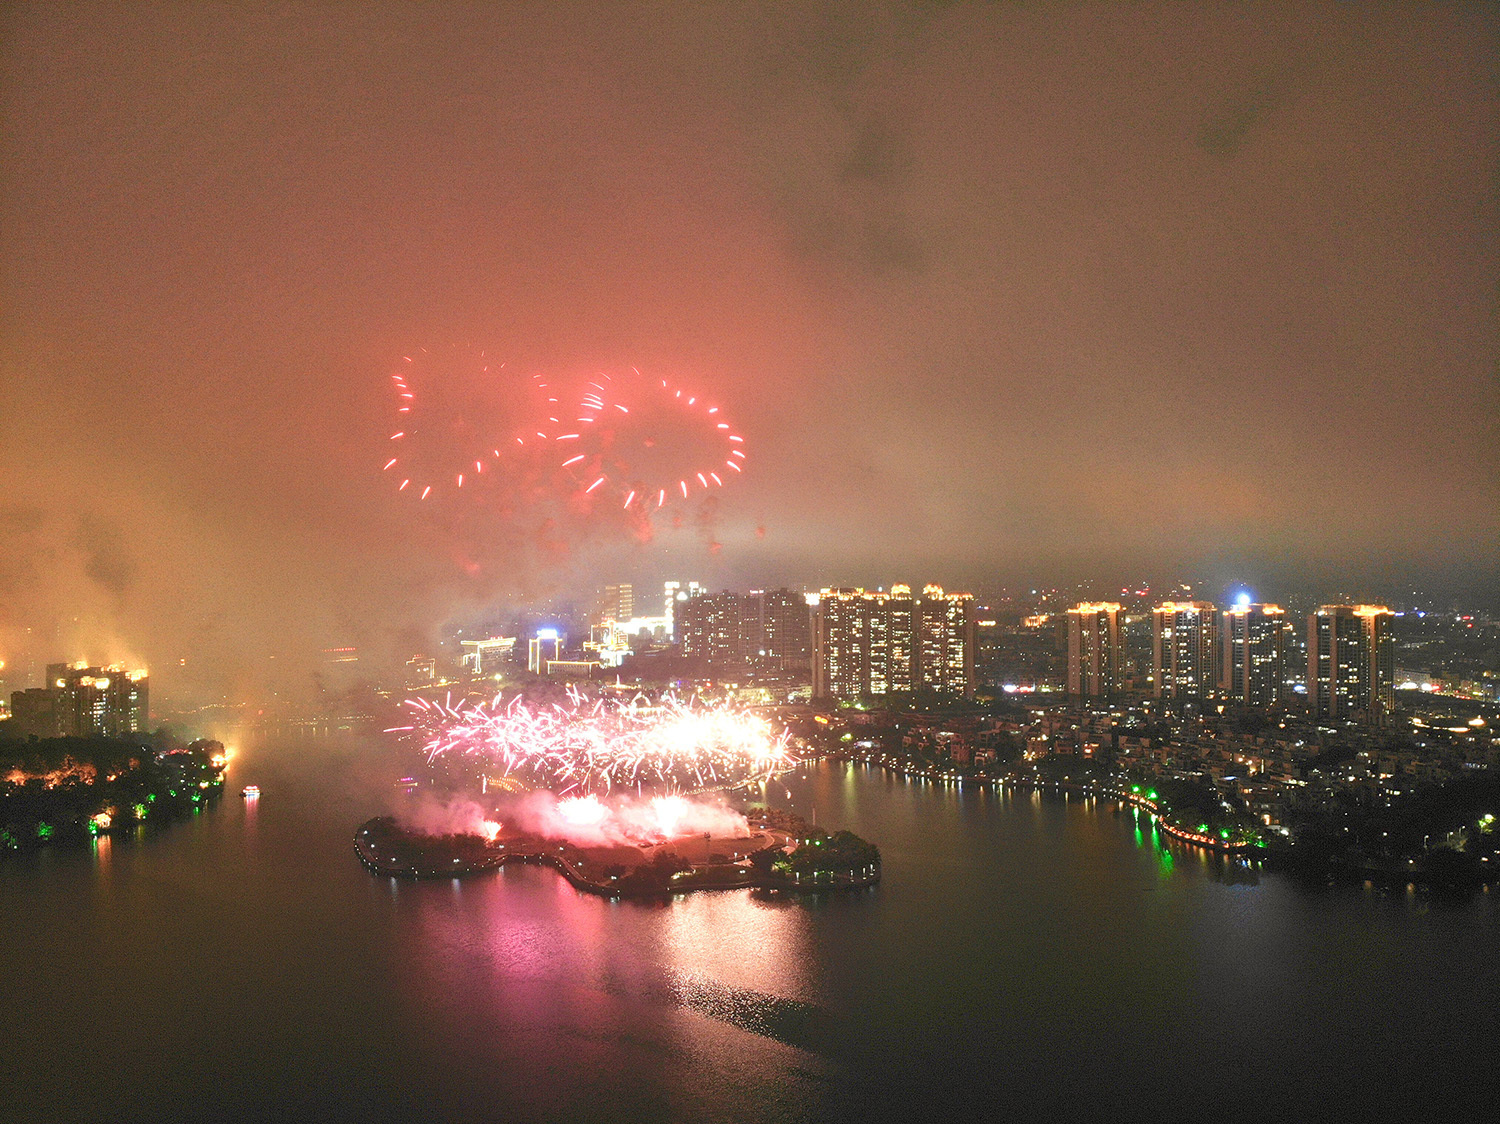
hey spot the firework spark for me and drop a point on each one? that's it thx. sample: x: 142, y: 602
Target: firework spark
x: 666, y: 442
x: 455, y: 408
x: 585, y: 747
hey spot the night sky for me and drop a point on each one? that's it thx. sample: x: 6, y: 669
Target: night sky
x: 997, y: 294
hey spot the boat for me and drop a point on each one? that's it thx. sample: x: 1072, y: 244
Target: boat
x: 250, y: 791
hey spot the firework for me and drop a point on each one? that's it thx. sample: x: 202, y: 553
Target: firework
x: 585, y: 747
x: 457, y: 415
x: 590, y: 821
x: 647, y: 444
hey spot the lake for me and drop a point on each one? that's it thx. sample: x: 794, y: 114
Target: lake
x: 1024, y: 955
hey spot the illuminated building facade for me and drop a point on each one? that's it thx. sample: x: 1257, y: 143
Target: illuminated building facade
x: 571, y: 669
x: 1184, y: 649
x: 769, y: 628
x: 718, y: 628
x: 673, y: 594
x: 544, y: 647
x: 945, y: 642
x: 879, y: 643
x: 81, y: 701
x: 893, y: 643
x: 1094, y: 650
x: 785, y: 628
x: 613, y: 641
x: 1253, y: 665
x: 485, y: 657
x: 617, y: 602
x: 1351, y: 662
x: 421, y: 671
x: 852, y: 642
x: 607, y: 643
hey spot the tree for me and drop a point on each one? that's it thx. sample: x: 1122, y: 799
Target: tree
x: 670, y: 862
x: 763, y: 860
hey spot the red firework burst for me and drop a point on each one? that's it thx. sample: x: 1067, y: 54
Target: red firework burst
x: 457, y: 415
x: 648, y: 444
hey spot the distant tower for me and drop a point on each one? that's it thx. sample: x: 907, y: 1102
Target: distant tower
x: 1184, y: 649
x: 1094, y: 650
x: 1252, y: 666
x: 1351, y: 662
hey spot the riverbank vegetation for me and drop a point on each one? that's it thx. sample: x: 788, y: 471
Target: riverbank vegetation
x: 62, y: 791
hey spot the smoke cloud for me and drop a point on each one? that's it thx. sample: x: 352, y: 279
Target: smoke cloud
x: 582, y: 820
x: 589, y: 820
x: 432, y: 816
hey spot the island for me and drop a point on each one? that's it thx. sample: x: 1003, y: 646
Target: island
x: 782, y: 853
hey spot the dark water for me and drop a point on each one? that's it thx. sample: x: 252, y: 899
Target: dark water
x: 1024, y: 957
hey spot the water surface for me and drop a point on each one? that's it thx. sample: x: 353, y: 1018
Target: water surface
x: 1024, y: 955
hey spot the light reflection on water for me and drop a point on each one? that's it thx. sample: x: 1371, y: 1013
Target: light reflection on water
x: 740, y: 940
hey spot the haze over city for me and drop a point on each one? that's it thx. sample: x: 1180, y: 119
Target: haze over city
x: 749, y: 562
x: 997, y: 294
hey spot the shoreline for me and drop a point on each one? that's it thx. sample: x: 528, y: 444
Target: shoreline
x: 1277, y: 856
x: 1096, y: 791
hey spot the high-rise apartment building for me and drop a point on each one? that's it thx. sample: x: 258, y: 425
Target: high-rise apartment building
x: 617, y: 603
x: 770, y: 628
x: 80, y: 701
x: 893, y: 636
x: 1094, y: 650
x: 875, y: 643
x: 673, y: 594
x: 718, y: 628
x: 852, y: 631
x: 1184, y: 649
x: 945, y: 642
x: 785, y: 628
x: 37, y: 712
x: 1351, y: 662
x: 1252, y: 664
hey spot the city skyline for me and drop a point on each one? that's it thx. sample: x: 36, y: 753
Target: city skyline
x: 578, y: 611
